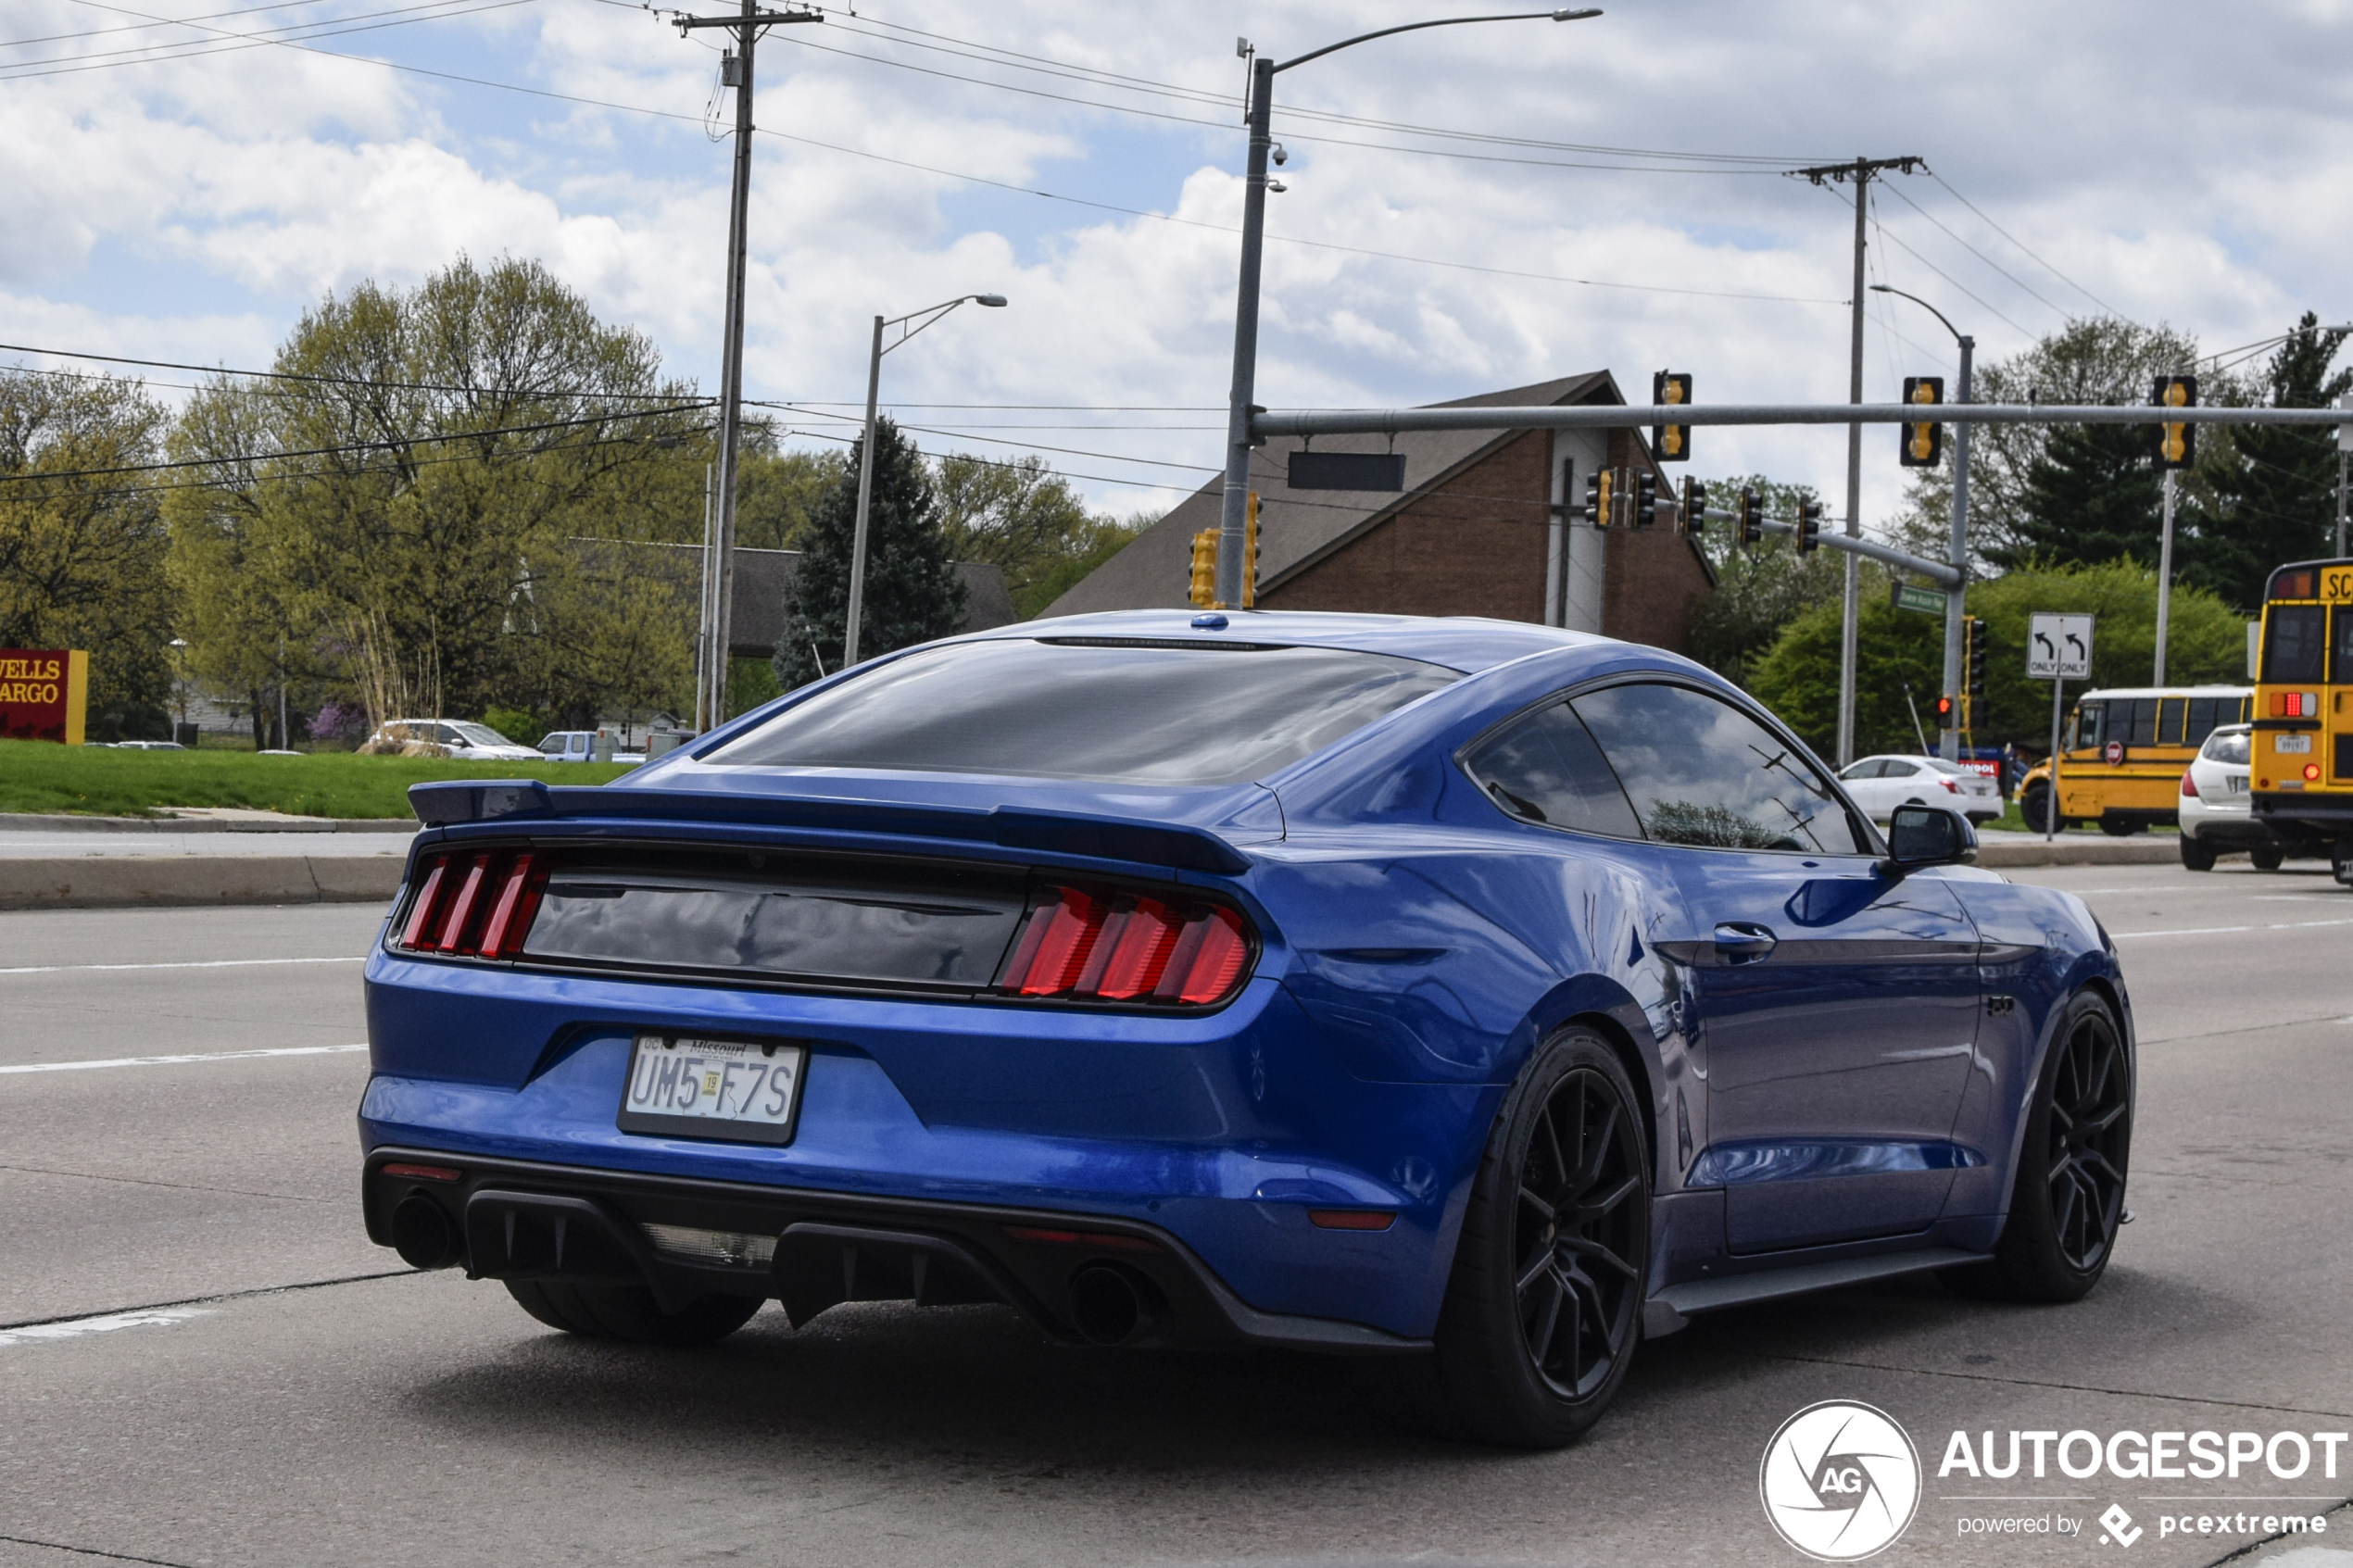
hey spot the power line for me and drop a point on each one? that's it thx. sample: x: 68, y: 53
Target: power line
x: 330, y: 380
x: 148, y: 27
x: 1989, y: 261
x: 172, y: 51
x: 2047, y: 267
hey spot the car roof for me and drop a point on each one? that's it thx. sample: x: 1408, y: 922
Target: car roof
x: 1467, y: 643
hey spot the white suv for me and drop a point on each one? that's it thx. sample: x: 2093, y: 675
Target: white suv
x: 2215, y: 819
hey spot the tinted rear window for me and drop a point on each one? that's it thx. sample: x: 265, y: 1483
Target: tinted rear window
x: 2291, y: 643
x: 1137, y: 713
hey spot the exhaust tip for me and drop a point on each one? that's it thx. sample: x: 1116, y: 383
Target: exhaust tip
x: 1111, y: 1305
x: 422, y: 1233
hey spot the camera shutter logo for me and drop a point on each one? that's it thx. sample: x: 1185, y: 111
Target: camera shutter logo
x: 1840, y: 1481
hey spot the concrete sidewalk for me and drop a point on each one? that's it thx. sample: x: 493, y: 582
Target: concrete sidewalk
x: 1997, y: 850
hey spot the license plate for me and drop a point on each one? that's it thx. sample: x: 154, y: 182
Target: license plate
x: 2292, y: 745
x: 747, y: 1091
x: 2236, y: 784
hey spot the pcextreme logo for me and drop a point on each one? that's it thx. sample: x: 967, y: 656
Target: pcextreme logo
x: 1840, y: 1481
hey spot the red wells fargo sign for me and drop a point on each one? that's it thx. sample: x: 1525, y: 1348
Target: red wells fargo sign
x: 44, y: 693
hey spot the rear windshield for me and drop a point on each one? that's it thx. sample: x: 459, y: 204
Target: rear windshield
x: 2231, y: 745
x: 1067, y: 709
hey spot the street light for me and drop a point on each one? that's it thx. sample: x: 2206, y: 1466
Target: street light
x: 1948, y: 742
x: 1238, y: 435
x: 921, y: 319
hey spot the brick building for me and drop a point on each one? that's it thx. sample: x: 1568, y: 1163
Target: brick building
x: 1474, y: 533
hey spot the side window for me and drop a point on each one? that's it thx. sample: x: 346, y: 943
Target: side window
x: 2291, y: 643
x: 2143, y: 732
x: 2092, y: 728
x: 1701, y: 771
x: 1865, y: 771
x: 2169, y: 721
x: 1546, y: 769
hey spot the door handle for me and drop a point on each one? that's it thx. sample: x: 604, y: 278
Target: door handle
x: 1740, y: 939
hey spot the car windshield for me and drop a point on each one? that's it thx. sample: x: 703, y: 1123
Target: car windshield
x: 481, y: 735
x: 1114, y: 709
x: 2226, y: 745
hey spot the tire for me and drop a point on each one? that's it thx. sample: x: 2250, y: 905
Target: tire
x: 2197, y: 854
x: 2267, y: 856
x: 2068, y: 1198
x: 2034, y: 805
x: 1571, y: 1137
x: 630, y: 1313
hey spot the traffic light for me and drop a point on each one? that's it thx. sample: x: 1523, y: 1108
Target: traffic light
x: 1945, y: 716
x: 1250, y: 553
x: 1204, y: 592
x: 2176, y: 445
x: 1974, y: 649
x: 1809, y: 525
x: 1752, y: 517
x: 1598, y: 497
x: 1694, y: 518
x: 1923, y: 443
x: 1672, y: 443
x: 1646, y: 499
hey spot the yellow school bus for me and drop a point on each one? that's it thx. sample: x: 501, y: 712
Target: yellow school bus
x: 2302, y: 761
x: 2122, y: 753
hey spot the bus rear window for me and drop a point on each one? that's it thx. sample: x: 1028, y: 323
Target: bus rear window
x: 2293, y: 643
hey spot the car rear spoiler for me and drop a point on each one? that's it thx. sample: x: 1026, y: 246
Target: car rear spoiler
x: 451, y: 803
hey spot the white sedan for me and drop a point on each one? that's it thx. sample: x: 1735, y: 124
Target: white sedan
x: 2215, y: 819
x: 456, y: 737
x: 1878, y: 785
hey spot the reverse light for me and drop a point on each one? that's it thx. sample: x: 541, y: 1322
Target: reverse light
x: 1126, y: 948
x: 474, y: 906
x: 2189, y: 787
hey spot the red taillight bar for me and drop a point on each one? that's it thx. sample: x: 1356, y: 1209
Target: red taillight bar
x: 1126, y: 947
x: 475, y: 906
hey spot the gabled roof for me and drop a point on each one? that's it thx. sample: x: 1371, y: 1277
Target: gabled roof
x: 1298, y: 528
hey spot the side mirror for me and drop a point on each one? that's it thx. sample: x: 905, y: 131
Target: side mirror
x: 1928, y: 835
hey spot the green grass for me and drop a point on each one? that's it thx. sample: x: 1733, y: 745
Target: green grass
x: 97, y: 781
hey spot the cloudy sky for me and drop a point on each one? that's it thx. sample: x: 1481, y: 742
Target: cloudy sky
x: 1469, y: 209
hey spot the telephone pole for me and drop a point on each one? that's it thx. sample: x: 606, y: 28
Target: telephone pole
x: 713, y: 637
x: 1860, y: 173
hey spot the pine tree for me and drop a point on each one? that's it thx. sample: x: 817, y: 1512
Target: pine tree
x: 2092, y: 496
x: 2270, y: 491
x: 913, y: 592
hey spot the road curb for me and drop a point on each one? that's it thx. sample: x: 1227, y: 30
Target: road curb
x: 33, y: 822
x: 133, y: 882
x: 2073, y: 851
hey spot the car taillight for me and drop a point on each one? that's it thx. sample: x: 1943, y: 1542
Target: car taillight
x: 1126, y: 947
x: 1950, y: 787
x: 2189, y: 787
x: 477, y: 905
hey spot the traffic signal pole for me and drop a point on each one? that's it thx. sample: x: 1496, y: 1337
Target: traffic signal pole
x: 1948, y: 744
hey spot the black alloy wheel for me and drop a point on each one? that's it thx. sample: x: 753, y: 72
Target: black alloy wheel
x: 1545, y: 1303
x: 2068, y: 1198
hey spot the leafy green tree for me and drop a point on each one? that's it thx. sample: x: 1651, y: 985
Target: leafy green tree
x: 82, y: 554
x: 2092, y: 495
x: 1021, y: 517
x: 1798, y: 676
x: 1102, y: 538
x: 2267, y: 495
x: 411, y: 514
x: 912, y: 591
x: 778, y: 491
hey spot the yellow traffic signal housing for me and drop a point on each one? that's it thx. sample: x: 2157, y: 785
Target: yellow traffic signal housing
x: 1203, y: 591
x: 1672, y: 443
x: 1923, y: 443
x: 1599, y: 496
x: 1250, y: 553
x: 2176, y: 445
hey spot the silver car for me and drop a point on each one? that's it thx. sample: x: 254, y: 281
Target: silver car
x: 1878, y: 785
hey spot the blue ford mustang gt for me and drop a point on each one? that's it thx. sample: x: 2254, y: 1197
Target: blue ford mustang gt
x: 1455, y: 989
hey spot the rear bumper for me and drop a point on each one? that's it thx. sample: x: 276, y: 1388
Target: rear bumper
x: 2297, y: 814
x: 526, y: 1220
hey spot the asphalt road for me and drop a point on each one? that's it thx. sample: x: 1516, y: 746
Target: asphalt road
x: 203, y: 1361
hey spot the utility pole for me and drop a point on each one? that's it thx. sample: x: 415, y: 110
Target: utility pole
x: 1860, y: 173
x: 2164, y: 580
x: 1950, y: 742
x: 735, y: 70
x: 2344, y: 453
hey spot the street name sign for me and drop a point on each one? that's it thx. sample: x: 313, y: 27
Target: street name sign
x: 1930, y: 601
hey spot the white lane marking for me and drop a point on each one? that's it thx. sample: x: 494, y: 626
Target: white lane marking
x: 192, y: 963
x: 153, y: 1317
x: 2225, y: 930
x: 177, y: 1060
